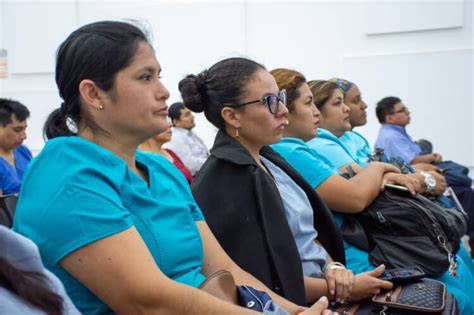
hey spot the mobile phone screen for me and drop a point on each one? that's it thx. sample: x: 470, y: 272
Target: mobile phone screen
x: 403, y: 274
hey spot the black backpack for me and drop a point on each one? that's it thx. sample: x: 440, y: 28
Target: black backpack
x: 399, y: 230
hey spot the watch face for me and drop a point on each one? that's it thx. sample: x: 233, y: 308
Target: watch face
x: 431, y: 181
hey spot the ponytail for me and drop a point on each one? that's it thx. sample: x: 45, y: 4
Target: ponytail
x: 56, y: 125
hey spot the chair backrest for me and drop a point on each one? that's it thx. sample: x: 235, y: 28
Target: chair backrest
x: 7, y: 209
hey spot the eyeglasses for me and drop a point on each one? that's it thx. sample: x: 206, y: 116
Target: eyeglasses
x: 401, y: 110
x: 272, y: 101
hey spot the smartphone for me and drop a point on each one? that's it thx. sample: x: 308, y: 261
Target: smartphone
x: 398, y: 187
x: 406, y: 274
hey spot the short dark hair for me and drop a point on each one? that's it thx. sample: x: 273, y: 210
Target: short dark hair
x: 223, y: 84
x: 385, y: 107
x: 96, y: 51
x: 174, y: 111
x: 8, y: 108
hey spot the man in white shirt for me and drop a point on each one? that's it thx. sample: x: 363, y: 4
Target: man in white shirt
x: 186, y: 144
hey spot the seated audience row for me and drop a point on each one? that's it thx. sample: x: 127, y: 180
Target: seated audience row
x: 266, y: 216
x: 120, y: 227
x: 329, y: 148
x: 124, y: 232
x: 343, y: 147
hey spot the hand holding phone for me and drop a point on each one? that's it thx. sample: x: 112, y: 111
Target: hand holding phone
x: 398, y: 187
x: 406, y: 274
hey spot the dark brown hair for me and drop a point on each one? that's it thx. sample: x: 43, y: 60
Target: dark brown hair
x: 31, y: 287
x: 385, y: 107
x: 223, y: 84
x: 96, y: 51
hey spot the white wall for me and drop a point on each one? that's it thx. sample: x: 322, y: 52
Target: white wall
x: 421, y: 51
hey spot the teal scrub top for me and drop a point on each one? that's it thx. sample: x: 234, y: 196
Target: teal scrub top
x: 351, y: 147
x: 313, y: 167
x: 358, y: 146
x: 76, y: 192
x: 329, y: 146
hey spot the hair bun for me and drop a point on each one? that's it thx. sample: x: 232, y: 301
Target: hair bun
x: 193, y: 89
x: 202, y: 83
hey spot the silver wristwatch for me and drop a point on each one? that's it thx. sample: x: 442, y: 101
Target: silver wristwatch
x: 430, y: 182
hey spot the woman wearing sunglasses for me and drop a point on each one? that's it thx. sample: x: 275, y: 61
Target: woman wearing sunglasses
x: 263, y: 213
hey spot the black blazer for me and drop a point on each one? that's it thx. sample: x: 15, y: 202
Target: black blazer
x: 244, y: 210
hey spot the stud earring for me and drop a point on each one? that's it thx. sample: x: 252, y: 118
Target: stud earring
x: 101, y: 107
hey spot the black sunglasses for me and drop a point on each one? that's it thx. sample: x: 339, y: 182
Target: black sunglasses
x: 272, y: 101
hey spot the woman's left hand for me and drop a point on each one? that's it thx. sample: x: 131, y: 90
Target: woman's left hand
x: 340, y: 284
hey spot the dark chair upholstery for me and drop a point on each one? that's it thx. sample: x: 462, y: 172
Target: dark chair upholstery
x: 7, y: 209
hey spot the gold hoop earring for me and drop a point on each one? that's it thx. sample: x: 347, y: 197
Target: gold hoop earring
x: 237, y: 133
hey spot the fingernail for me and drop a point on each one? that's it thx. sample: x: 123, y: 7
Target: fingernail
x: 342, y: 301
x: 323, y: 299
x: 332, y: 292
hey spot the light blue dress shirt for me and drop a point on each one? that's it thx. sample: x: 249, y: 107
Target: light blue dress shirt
x: 316, y: 169
x: 299, y: 214
x: 396, y: 142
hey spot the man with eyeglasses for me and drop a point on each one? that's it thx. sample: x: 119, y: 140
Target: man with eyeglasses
x: 393, y: 138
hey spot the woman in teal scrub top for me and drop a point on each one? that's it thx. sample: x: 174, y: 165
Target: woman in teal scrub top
x: 119, y: 227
